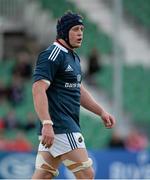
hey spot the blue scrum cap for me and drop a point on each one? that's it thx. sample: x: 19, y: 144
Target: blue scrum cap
x: 65, y: 23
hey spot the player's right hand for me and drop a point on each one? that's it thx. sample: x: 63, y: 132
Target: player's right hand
x: 47, y: 135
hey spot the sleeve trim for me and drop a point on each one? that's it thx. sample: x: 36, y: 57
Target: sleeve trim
x: 46, y: 81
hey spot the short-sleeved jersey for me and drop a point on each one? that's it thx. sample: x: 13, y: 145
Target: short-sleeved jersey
x: 61, y: 67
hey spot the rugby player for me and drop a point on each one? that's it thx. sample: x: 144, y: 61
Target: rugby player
x: 58, y: 94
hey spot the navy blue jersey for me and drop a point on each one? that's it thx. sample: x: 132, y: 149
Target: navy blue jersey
x: 61, y: 67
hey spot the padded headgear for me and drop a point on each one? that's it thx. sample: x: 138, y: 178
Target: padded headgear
x: 65, y: 23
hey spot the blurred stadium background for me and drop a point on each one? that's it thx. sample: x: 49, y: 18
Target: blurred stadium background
x: 118, y: 30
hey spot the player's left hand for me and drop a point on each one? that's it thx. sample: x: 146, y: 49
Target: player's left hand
x: 108, y: 119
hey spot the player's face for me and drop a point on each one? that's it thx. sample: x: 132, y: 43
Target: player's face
x: 76, y: 36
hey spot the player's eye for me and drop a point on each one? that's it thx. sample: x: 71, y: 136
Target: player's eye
x: 82, y: 28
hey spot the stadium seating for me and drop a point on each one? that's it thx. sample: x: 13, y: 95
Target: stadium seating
x: 140, y: 10
x: 136, y: 98
x: 136, y: 88
x: 6, y: 70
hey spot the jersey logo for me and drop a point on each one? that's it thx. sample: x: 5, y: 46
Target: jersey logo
x: 69, y: 68
x: 80, y: 139
x: 54, y: 53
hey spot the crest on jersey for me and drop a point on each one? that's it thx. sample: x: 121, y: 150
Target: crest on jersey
x: 78, y: 77
x: 80, y: 139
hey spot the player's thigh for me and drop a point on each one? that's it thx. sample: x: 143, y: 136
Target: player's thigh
x: 53, y: 161
x: 79, y: 154
x: 45, y: 165
x: 81, y: 164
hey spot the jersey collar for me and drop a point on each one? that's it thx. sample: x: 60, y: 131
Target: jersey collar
x: 60, y: 46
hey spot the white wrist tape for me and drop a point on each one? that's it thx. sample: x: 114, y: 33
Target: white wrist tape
x: 47, y: 122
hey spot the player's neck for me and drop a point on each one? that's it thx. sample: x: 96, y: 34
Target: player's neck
x: 63, y: 43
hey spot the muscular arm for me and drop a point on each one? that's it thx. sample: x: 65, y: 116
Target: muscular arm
x: 40, y: 99
x: 88, y: 102
x: 41, y: 107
